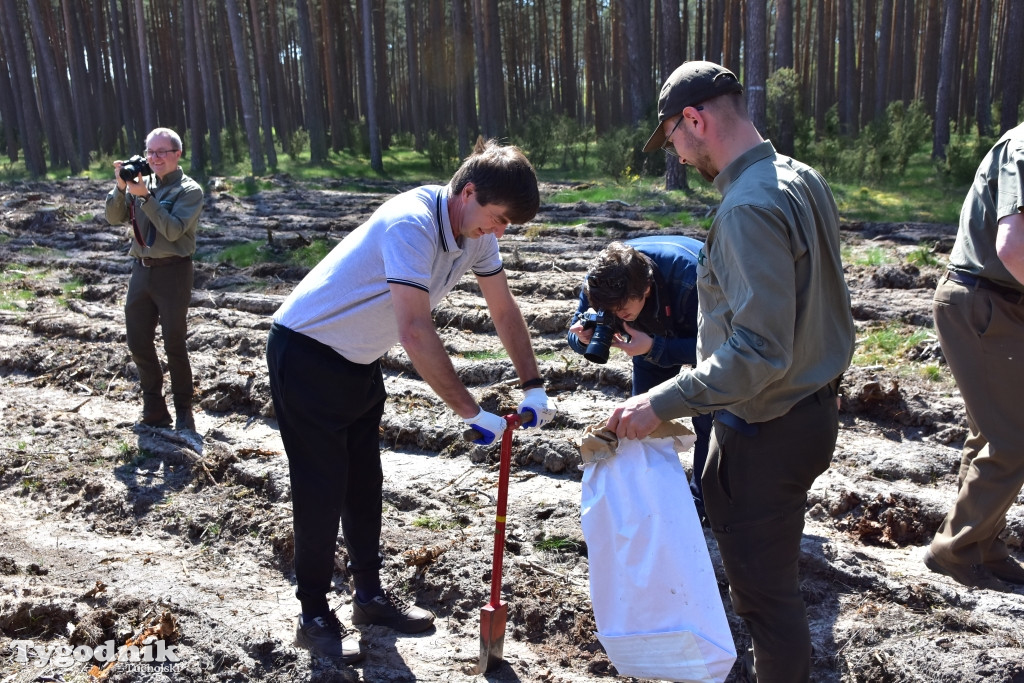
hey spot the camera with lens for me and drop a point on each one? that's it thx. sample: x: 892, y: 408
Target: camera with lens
x: 605, y: 326
x: 134, y: 167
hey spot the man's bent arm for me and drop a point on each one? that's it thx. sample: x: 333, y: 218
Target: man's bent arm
x: 1010, y: 244
x: 419, y: 337
x: 509, y: 322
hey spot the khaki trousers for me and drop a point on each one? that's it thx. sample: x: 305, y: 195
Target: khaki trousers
x: 982, y: 338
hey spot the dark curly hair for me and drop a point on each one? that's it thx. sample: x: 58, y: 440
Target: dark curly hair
x: 619, y: 273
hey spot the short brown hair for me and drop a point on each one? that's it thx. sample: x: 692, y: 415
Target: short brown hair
x: 619, y: 273
x: 501, y: 175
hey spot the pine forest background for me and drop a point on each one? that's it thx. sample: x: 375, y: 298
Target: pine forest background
x: 851, y: 82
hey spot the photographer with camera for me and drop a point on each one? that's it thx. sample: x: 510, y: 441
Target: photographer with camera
x: 162, y: 205
x: 645, y: 295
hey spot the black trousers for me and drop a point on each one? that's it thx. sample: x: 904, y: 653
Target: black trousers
x: 755, y: 491
x: 329, y: 410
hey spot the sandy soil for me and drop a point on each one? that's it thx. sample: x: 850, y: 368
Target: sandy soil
x: 109, y: 528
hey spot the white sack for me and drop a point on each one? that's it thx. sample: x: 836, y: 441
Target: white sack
x: 656, y: 602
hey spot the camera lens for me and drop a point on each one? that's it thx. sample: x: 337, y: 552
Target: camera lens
x: 600, y: 344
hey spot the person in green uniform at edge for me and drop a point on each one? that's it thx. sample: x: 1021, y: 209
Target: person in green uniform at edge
x: 979, y: 315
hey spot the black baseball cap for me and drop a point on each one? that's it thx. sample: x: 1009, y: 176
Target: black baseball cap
x: 689, y: 85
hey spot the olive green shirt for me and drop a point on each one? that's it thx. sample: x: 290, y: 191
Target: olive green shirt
x: 170, y: 217
x: 775, y: 321
x: 997, y: 192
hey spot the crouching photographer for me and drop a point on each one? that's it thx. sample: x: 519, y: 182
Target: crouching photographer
x: 162, y: 206
x: 640, y: 296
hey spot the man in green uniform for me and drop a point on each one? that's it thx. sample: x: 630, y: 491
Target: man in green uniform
x: 163, y: 208
x: 979, y: 315
x: 775, y: 335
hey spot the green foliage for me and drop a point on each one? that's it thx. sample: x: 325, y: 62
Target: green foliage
x: 443, y: 152
x: 483, y: 355
x: 296, y: 144
x: 434, y: 524
x: 71, y: 290
x: 963, y: 154
x: 783, y: 92
x: 558, y: 544
x: 575, y: 139
x: 536, y: 134
x: 619, y: 151
x: 870, y: 256
x: 923, y: 255
x: 908, y: 130
x: 673, y: 219
x: 250, y: 253
x: 888, y: 345
x: 882, y: 151
x: 14, y: 292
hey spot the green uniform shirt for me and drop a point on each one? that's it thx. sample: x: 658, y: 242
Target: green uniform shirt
x: 170, y: 218
x: 775, y: 321
x: 998, y: 192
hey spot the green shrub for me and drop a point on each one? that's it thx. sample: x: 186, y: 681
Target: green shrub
x: 296, y: 144
x: 442, y: 151
x: 620, y: 153
x: 535, y: 135
x: 783, y: 91
x: 908, y: 129
x: 963, y: 154
x: 574, y: 139
x: 923, y: 255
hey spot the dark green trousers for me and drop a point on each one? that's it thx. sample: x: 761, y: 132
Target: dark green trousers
x: 160, y: 295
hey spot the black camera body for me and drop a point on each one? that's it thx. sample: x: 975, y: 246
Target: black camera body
x: 134, y: 167
x: 605, y: 326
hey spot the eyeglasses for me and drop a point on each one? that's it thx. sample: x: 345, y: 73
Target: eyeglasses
x: 669, y: 148
x: 160, y: 153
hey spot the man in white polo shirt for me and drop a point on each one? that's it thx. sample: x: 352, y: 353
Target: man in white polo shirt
x: 377, y: 288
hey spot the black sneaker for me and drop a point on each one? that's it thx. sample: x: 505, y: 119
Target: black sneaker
x: 386, y: 610
x: 326, y: 637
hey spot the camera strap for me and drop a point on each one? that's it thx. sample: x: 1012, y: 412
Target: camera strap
x: 151, y: 236
x: 148, y: 242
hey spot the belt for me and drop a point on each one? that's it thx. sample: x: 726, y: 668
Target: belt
x: 1014, y: 296
x: 148, y: 262
x: 751, y: 429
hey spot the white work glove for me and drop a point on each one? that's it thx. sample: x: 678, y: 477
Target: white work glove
x: 489, y: 425
x: 536, y: 401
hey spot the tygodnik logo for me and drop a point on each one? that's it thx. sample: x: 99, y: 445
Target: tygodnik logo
x: 155, y: 655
